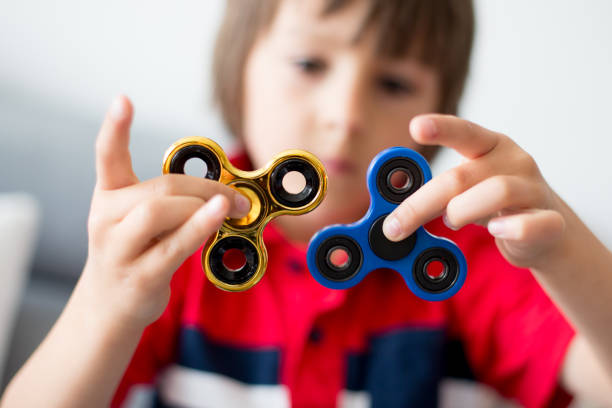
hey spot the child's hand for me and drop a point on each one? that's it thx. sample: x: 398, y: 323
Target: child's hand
x: 140, y: 232
x: 498, y: 185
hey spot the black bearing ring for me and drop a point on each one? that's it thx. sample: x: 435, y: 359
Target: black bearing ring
x: 333, y: 272
x: 213, y: 167
x: 383, y: 179
x: 305, y: 196
x: 449, y: 276
x: 229, y: 276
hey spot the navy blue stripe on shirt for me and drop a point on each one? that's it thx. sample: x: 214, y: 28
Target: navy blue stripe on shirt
x: 259, y: 366
x: 456, y: 361
x: 399, y: 368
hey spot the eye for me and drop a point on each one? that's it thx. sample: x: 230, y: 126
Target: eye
x: 309, y: 65
x: 396, y: 86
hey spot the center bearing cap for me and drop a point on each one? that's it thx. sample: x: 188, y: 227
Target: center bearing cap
x: 257, y: 205
x: 385, y: 249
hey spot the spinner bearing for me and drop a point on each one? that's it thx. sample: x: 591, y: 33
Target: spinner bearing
x: 340, y: 256
x: 235, y: 257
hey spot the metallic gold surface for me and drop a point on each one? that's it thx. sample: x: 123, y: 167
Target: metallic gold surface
x: 255, y: 185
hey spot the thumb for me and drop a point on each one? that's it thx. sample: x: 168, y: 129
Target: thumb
x: 113, y: 160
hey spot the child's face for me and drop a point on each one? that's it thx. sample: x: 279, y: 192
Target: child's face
x: 309, y: 85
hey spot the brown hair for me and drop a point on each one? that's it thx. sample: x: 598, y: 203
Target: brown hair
x: 438, y: 32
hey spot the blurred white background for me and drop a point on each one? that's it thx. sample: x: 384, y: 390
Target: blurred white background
x: 540, y: 73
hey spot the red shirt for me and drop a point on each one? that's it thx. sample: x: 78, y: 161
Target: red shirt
x: 290, y: 341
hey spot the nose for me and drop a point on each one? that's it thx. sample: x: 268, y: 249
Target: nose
x: 343, y: 102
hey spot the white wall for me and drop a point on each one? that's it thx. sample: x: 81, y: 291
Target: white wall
x: 540, y: 74
x: 79, y: 54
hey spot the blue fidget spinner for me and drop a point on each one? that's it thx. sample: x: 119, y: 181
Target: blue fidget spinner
x: 340, y: 256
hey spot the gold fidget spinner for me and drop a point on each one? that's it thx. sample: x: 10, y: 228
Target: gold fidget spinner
x: 235, y: 258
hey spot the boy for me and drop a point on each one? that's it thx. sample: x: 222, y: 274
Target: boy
x: 344, y: 80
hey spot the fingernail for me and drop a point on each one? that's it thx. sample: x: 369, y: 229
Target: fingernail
x: 429, y: 128
x: 391, y: 228
x: 117, y: 109
x: 498, y: 228
x: 242, y: 204
x: 448, y: 223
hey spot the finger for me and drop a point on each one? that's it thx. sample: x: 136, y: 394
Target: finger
x: 531, y: 228
x: 491, y: 196
x: 113, y: 161
x: 430, y: 201
x: 175, y: 185
x: 523, y: 238
x: 467, y: 138
x: 167, y: 255
x: 150, y: 220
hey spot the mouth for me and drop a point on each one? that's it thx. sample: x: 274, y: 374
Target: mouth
x: 339, y: 166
